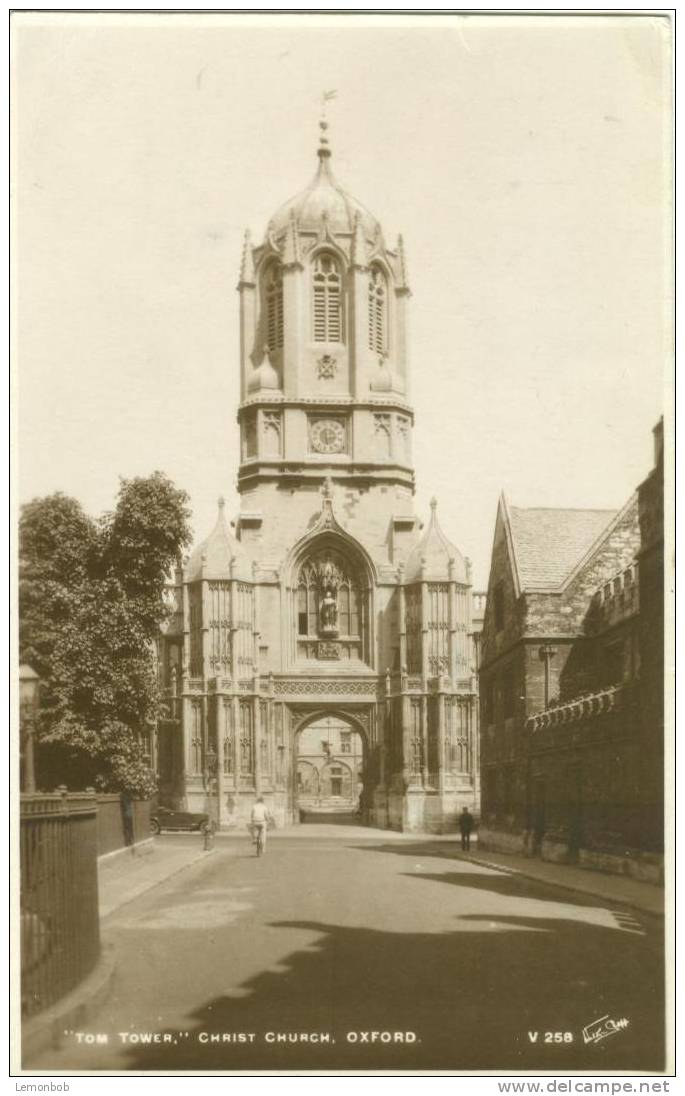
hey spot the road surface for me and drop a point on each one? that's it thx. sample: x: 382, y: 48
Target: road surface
x: 361, y: 951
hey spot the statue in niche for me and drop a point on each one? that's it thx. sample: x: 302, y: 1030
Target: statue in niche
x: 329, y: 612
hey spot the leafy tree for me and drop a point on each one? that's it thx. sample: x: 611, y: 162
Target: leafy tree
x: 90, y: 606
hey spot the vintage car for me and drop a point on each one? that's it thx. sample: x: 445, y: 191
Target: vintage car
x: 164, y: 818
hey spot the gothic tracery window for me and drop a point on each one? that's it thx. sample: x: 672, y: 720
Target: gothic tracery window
x: 274, y: 306
x: 249, y: 432
x: 382, y: 432
x: 330, y: 606
x: 378, y: 303
x: 271, y: 430
x: 319, y: 576
x: 327, y: 305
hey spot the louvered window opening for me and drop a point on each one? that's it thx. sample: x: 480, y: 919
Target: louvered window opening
x: 274, y: 307
x: 327, y: 300
x: 377, y: 312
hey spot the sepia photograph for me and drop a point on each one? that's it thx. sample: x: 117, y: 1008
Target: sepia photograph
x: 342, y: 389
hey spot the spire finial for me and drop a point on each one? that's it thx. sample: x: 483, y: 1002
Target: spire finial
x: 247, y: 271
x: 324, y: 151
x: 358, y: 252
x: 404, y: 282
x: 291, y: 250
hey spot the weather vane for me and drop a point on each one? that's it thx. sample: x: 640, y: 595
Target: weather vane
x: 323, y: 124
x: 325, y: 98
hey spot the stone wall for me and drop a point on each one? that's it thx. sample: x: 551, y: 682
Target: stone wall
x: 584, y: 784
x: 496, y: 641
x: 651, y: 635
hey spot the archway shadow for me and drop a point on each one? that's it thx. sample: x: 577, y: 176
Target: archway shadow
x: 471, y: 998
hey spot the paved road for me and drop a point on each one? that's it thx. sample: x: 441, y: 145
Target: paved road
x: 329, y: 937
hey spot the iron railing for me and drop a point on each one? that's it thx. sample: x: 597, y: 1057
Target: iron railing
x: 59, y: 924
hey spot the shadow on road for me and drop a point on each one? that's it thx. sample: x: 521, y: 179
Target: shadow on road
x: 332, y: 818
x: 470, y: 996
x: 511, y: 886
x: 439, y: 850
x: 480, y: 877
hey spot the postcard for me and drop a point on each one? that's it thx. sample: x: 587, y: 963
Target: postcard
x: 343, y: 392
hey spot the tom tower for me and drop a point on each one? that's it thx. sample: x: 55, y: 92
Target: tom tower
x: 326, y: 597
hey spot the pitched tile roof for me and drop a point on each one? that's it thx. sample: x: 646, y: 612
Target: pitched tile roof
x: 548, y: 544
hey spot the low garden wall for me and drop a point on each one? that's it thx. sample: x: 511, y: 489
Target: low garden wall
x: 121, y: 823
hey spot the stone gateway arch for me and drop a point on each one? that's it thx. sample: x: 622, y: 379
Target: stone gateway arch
x: 326, y: 595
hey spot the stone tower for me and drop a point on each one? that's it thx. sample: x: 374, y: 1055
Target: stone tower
x: 327, y: 599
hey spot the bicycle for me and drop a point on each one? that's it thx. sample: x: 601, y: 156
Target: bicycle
x: 261, y: 840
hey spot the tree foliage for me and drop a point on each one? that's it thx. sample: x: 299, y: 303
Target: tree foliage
x: 90, y: 608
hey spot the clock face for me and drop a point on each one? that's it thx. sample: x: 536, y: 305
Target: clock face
x: 328, y: 436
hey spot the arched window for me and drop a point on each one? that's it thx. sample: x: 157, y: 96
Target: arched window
x: 307, y: 602
x: 348, y: 608
x: 273, y: 289
x: 327, y: 299
x: 330, y: 601
x: 378, y: 311
x: 312, y: 589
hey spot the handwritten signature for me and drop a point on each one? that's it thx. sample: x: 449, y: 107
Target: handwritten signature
x: 602, y: 1028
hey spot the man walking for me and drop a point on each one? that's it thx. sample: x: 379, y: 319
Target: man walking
x: 466, y: 824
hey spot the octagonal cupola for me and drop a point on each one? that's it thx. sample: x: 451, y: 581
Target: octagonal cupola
x: 324, y: 371
x: 434, y: 558
x: 219, y: 556
x: 438, y: 606
x: 323, y: 199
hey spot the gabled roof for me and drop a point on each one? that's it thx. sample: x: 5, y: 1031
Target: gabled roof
x: 212, y: 558
x: 430, y: 558
x: 547, y: 545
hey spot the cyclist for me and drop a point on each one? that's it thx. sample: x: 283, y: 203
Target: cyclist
x: 259, y: 820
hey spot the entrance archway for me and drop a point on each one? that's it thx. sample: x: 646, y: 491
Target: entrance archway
x: 329, y: 765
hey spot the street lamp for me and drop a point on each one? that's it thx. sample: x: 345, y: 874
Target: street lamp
x: 211, y: 774
x: 212, y: 764
x: 29, y: 688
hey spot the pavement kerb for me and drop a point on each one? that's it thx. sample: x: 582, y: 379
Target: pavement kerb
x: 594, y: 892
x: 202, y: 855
x: 139, y: 848
x: 46, y: 1030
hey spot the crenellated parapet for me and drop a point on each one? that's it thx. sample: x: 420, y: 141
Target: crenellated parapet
x: 616, y: 600
x: 580, y: 708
